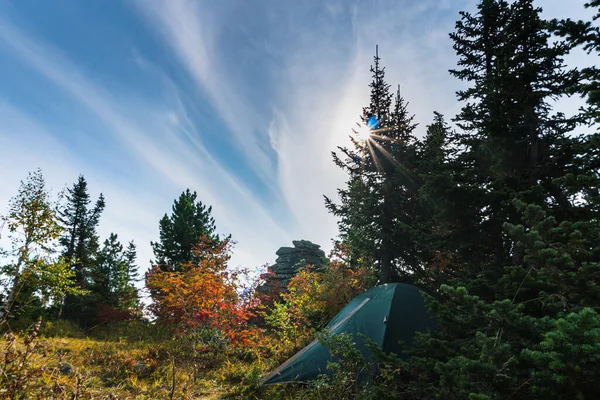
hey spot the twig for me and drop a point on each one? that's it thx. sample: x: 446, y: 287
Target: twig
x: 519, y: 388
x: 521, y: 285
x: 173, y: 384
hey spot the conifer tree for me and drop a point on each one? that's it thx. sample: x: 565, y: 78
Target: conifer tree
x: 585, y: 36
x: 379, y: 206
x: 110, y: 271
x: 132, y: 267
x: 521, y: 193
x: 130, y: 296
x: 182, y: 230
x: 80, y: 243
x: 114, y: 276
x: 435, y: 158
x: 510, y: 135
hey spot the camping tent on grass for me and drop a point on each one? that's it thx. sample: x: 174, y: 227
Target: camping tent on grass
x: 385, y: 314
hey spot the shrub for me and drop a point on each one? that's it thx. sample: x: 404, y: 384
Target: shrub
x: 201, y: 295
x: 313, y: 298
x: 568, y: 359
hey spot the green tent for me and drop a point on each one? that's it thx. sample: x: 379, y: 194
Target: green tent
x: 386, y: 314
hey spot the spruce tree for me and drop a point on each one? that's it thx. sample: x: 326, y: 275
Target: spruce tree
x: 182, y: 230
x: 114, y: 277
x: 132, y: 267
x: 80, y: 245
x: 510, y: 145
x: 585, y: 35
x: 130, y: 296
x: 110, y: 271
x: 521, y: 190
x: 379, y: 208
x: 436, y: 220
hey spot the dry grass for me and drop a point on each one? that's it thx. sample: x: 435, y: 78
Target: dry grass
x: 110, y: 366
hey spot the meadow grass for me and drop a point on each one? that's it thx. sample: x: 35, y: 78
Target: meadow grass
x: 122, y: 361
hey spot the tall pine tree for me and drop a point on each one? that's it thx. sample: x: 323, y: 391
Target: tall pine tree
x: 80, y: 245
x: 585, y: 35
x: 133, y: 274
x: 379, y: 207
x: 180, y: 234
x: 512, y: 145
x: 517, y: 203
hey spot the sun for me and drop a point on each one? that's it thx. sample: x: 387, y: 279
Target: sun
x: 364, y: 132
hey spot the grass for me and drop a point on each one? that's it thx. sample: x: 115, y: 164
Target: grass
x: 129, y: 361
x: 138, y: 360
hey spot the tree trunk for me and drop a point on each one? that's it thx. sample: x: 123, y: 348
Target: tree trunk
x: 385, y: 268
x: 10, y: 299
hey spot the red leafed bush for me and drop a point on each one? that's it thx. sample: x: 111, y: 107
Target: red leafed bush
x: 202, y: 294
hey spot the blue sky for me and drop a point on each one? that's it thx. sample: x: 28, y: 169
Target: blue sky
x: 242, y: 101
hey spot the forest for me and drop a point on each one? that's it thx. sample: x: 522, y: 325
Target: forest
x: 493, y: 213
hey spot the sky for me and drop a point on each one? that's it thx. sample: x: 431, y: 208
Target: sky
x: 240, y: 101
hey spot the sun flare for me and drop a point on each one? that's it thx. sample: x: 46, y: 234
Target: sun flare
x: 364, y: 132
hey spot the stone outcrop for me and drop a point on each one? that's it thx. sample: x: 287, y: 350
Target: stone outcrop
x: 290, y: 259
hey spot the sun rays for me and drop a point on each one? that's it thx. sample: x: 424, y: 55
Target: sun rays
x: 370, y: 135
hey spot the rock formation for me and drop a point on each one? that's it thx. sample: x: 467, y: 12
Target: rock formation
x: 290, y: 259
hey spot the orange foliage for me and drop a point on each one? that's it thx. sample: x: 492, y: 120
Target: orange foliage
x: 269, y: 288
x: 202, y: 294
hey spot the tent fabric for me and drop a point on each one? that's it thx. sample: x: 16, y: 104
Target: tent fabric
x: 385, y: 314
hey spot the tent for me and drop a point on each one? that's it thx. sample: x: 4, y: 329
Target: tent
x: 386, y: 314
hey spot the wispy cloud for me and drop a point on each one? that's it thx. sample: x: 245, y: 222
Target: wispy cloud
x: 190, y: 28
x: 27, y: 145
x: 326, y: 83
x: 322, y: 52
x: 286, y: 79
x: 159, y: 144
